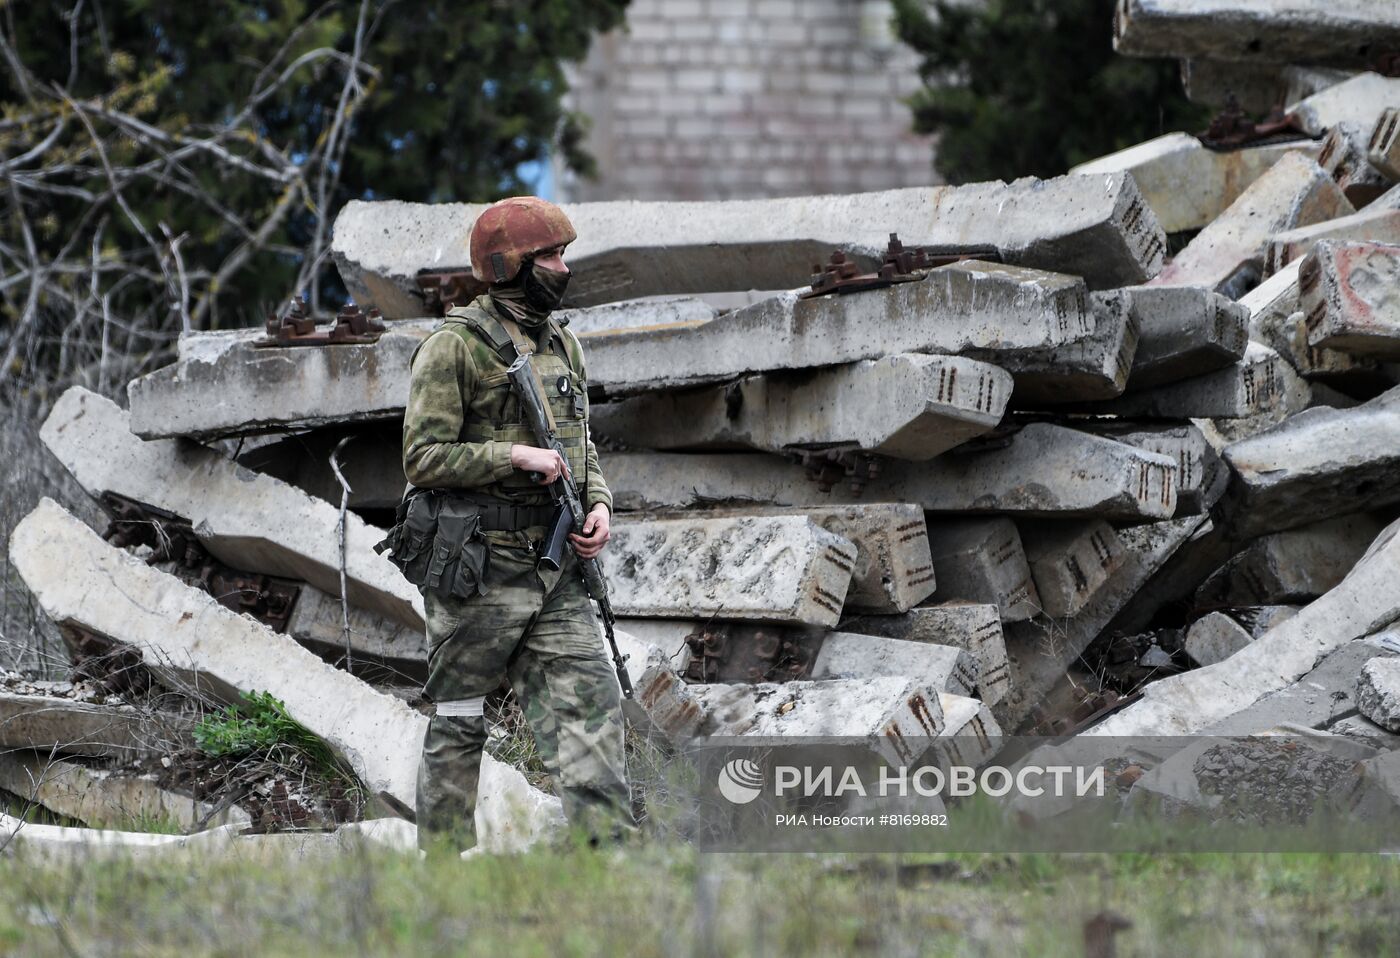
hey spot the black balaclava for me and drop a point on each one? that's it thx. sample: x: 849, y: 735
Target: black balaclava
x: 533, y: 294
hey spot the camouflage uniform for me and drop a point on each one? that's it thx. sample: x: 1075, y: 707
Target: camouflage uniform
x: 536, y: 627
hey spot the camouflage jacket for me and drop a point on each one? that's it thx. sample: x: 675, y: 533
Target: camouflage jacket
x: 463, y: 415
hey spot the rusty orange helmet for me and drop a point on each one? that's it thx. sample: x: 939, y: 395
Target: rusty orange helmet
x: 510, y: 231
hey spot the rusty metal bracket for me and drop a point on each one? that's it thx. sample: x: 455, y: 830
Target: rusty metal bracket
x: 295, y: 327
x: 1232, y: 129
x: 172, y: 540
x: 444, y: 288
x: 745, y: 652
x: 900, y: 264
x: 827, y: 467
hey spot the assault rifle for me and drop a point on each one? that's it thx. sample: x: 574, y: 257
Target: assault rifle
x: 569, y: 515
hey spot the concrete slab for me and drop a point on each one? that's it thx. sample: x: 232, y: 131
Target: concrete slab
x: 1350, y: 295
x: 1359, y: 100
x: 973, y: 627
x: 1261, y: 618
x: 1185, y: 331
x: 245, y: 520
x: 1338, y: 32
x: 224, y: 386
x: 1383, y: 149
x: 1257, y: 87
x: 783, y: 569
x: 1343, y: 155
x: 1378, y: 692
x: 846, y: 655
x: 1187, y: 703
x: 1201, y: 475
x: 316, y: 623
x: 1214, y: 638
x: 893, y: 570
x: 982, y: 560
x: 1042, y: 649
x: 1294, y: 192
x: 1186, y: 184
x: 1320, y: 463
x: 99, y: 797
x: 1070, y: 561
x: 1097, y: 227
x: 36, y: 717
x: 1325, y: 694
x: 1296, y: 565
x: 1095, y: 367
x: 905, y: 405
x: 994, y: 311
x: 185, y: 635
x: 1043, y: 470
x: 1261, y: 382
x: 1378, y: 225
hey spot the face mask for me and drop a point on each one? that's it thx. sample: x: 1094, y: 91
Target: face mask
x: 544, y: 288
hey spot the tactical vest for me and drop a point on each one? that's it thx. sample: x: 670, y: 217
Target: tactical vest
x: 493, y: 411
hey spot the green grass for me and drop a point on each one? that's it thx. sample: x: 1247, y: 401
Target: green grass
x: 667, y: 900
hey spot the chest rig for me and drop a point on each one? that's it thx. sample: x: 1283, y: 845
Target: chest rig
x: 493, y: 412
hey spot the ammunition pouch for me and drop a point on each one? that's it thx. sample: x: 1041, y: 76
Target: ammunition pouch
x: 437, y: 544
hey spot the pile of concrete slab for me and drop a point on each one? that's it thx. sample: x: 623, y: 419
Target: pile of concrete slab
x: 1022, y: 471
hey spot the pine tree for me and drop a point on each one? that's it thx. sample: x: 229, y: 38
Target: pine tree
x: 1032, y: 87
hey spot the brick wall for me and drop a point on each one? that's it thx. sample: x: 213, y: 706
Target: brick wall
x: 717, y: 99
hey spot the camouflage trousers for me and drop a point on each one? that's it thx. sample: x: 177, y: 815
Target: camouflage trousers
x: 538, y: 629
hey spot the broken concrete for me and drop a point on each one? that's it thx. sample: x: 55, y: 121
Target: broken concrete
x: 98, y: 797
x: 784, y: 569
x: 1070, y: 561
x: 1185, y: 704
x: 632, y: 314
x: 1214, y: 638
x: 1096, y: 227
x: 1186, y: 184
x: 1383, y: 149
x: 1320, y: 463
x: 245, y: 520
x: 1359, y: 100
x: 1344, y: 33
x: 893, y: 571
x: 1350, y: 294
x: 982, y: 560
x: 1042, y: 649
x: 994, y: 311
x: 1378, y: 692
x: 187, y: 637
x: 1296, y: 565
x: 846, y: 655
x: 1294, y: 192
x: 1376, y: 225
x: 1044, y: 470
x: 906, y: 406
x: 1259, y: 619
x: 1260, y: 383
x: 973, y: 627
x: 1184, y: 331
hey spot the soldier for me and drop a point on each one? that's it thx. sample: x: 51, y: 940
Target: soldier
x: 473, y: 541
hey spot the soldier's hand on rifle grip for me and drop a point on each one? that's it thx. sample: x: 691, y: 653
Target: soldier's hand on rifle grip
x: 597, y: 529
x: 544, y: 465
